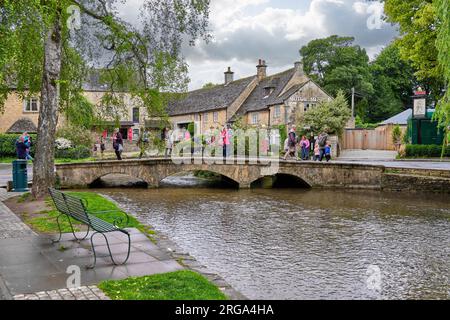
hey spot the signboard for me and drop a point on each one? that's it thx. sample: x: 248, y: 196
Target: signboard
x: 298, y: 98
x: 420, y: 109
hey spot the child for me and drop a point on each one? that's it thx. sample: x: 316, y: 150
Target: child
x: 328, y: 151
x: 316, y: 152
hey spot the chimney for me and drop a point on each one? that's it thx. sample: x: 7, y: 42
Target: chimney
x: 261, y: 69
x: 299, y: 68
x: 228, y: 76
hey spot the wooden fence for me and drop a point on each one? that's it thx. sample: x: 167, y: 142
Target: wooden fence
x: 372, y: 139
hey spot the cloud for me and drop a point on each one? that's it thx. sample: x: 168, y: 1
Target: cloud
x: 247, y: 30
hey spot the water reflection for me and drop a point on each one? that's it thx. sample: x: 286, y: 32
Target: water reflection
x: 307, y: 244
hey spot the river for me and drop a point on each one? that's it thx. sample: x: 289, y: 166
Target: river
x: 307, y: 244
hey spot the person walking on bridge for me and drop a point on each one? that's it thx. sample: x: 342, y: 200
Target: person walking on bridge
x: 118, y: 143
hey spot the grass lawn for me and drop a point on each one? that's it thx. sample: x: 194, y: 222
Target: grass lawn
x: 45, y: 221
x: 179, y: 285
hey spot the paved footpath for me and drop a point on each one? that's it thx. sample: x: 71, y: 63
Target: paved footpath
x: 32, y: 267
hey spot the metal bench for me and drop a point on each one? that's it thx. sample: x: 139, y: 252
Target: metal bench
x: 73, y: 207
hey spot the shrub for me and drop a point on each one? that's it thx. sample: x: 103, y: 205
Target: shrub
x: 396, y: 134
x: 79, y: 152
x: 420, y: 150
x: 8, y: 144
x: 77, y: 135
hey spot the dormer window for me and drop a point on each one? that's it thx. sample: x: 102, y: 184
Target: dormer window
x: 268, y: 91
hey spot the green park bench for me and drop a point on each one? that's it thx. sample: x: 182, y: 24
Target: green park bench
x: 73, y: 207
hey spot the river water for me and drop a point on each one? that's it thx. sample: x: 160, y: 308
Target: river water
x: 307, y: 244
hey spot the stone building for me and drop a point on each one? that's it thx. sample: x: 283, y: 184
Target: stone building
x: 259, y: 100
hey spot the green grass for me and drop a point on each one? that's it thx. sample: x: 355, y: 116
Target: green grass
x: 75, y: 160
x: 179, y: 285
x: 45, y: 221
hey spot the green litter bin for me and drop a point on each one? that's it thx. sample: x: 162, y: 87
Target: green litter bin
x: 20, y: 176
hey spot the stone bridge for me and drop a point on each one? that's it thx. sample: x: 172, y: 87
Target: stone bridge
x: 153, y: 171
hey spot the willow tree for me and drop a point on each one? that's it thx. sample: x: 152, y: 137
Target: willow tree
x: 46, y: 47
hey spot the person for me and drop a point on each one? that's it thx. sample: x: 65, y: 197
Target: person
x: 118, y: 143
x: 21, y: 148
x: 322, y: 141
x: 292, y: 142
x: 225, y: 135
x: 168, y: 140
x: 102, y: 146
x: 28, y: 143
x: 142, y: 142
x: 328, y: 151
x: 304, y: 145
x: 316, y: 152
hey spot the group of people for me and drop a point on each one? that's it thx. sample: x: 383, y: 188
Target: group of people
x: 214, y: 135
x: 300, y: 148
x: 23, y: 147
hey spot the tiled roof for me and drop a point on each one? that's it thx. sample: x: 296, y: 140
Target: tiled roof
x: 258, y: 100
x: 22, y: 125
x: 215, y: 98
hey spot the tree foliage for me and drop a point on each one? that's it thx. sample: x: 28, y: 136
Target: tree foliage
x: 40, y: 53
x: 337, y: 64
x: 425, y: 41
x: 418, y: 22
x: 329, y: 116
x: 393, y: 82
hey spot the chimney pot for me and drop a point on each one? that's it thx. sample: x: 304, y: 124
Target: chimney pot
x: 261, y: 69
x: 229, y: 75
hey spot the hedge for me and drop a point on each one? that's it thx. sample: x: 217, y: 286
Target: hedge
x: 8, y: 148
x: 79, y: 152
x: 8, y: 144
x: 422, y: 150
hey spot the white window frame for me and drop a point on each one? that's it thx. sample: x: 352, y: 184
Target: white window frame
x: 205, y: 117
x: 277, y: 112
x: 215, y: 117
x: 28, y: 102
x: 255, y: 117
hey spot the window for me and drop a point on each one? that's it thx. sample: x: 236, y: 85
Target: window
x: 277, y: 112
x: 135, y: 134
x: 216, y: 117
x: 255, y: 118
x: 305, y: 106
x: 31, y: 105
x: 205, y: 117
x: 196, y: 117
x: 136, y: 115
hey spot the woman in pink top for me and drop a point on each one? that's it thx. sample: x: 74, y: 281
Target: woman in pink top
x: 304, y: 144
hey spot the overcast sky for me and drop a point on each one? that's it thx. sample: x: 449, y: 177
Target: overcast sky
x: 274, y: 30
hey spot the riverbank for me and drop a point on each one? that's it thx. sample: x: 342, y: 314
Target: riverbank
x: 146, y: 259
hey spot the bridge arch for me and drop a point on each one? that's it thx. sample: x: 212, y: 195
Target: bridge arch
x: 281, y: 180
x: 222, y: 178
x: 121, y: 179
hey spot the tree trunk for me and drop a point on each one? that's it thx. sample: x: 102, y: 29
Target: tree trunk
x: 44, y: 161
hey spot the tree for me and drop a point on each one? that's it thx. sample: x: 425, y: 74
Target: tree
x: 329, y: 116
x: 393, y: 82
x: 209, y: 85
x: 41, y: 53
x: 336, y: 64
x: 443, y: 45
x: 418, y: 24
x: 425, y: 36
